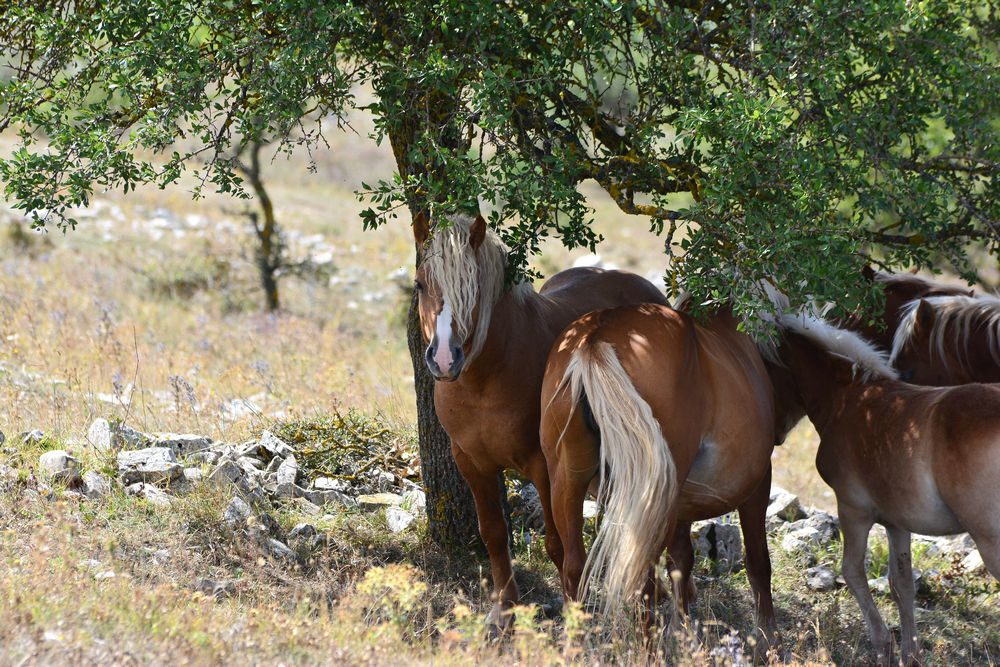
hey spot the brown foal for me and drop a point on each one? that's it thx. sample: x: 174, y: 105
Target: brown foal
x: 915, y: 459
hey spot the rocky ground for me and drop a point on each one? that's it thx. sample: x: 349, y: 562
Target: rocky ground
x: 267, y: 471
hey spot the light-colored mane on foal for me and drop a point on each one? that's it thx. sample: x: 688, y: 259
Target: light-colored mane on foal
x: 469, y: 279
x: 964, y: 312
x: 871, y: 361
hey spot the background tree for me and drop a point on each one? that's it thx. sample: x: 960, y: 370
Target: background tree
x: 789, y: 140
x: 270, y: 249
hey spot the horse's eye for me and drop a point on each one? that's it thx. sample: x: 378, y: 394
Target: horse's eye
x: 417, y: 285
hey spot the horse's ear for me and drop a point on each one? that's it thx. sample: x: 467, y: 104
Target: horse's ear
x: 421, y: 227
x: 477, y: 232
x: 923, y: 319
x: 868, y: 273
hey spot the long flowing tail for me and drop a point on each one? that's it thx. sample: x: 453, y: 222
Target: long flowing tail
x: 643, y: 478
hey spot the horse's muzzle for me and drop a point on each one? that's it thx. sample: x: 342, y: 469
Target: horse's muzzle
x: 458, y: 360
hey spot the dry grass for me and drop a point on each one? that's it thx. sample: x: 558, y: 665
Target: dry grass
x: 116, y: 580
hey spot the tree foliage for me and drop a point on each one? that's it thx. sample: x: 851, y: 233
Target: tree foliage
x: 788, y: 139
x: 793, y: 139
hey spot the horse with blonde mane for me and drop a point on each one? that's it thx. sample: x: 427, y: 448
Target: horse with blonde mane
x: 948, y: 340
x: 674, y: 421
x: 487, y: 346
x: 915, y: 459
x: 899, y: 290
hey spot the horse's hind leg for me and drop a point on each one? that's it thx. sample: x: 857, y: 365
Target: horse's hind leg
x: 758, y: 560
x: 855, y: 525
x: 903, y: 591
x: 681, y: 560
x: 572, y: 457
x: 537, y: 471
x: 569, y: 488
x: 485, y: 489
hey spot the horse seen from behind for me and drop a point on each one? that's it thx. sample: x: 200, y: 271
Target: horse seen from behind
x: 487, y: 346
x: 674, y: 422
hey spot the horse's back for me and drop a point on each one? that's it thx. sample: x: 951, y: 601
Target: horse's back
x: 653, y: 342
x: 592, y: 288
x: 658, y: 345
x: 681, y: 367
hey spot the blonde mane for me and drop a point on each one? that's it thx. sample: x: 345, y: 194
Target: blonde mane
x: 468, y: 278
x: 964, y: 312
x: 869, y: 360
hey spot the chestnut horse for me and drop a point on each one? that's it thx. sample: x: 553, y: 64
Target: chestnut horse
x: 915, y: 459
x: 487, y: 348
x: 946, y: 340
x: 676, y: 422
x: 899, y: 289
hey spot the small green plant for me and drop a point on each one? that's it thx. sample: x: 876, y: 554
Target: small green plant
x: 393, y: 594
x: 352, y: 447
x: 878, y: 557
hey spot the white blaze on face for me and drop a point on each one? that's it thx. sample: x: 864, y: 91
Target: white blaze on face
x: 442, y: 357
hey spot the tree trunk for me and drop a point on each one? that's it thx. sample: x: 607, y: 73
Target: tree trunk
x: 269, y: 243
x: 451, y: 510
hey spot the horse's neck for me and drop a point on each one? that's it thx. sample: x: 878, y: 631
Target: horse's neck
x: 825, y: 382
x: 516, y: 335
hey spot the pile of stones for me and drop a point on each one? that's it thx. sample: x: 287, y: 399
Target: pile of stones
x: 806, y: 533
x: 261, y: 471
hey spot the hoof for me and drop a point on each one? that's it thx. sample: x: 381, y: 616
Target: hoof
x: 551, y: 610
x: 499, y: 623
x: 767, y: 645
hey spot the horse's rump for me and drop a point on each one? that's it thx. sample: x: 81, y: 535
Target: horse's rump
x: 658, y: 384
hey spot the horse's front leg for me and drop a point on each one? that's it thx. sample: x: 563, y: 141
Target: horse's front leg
x: 486, y: 491
x: 758, y: 560
x: 855, y: 524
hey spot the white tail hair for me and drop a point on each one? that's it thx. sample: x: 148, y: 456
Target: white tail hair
x: 643, y: 484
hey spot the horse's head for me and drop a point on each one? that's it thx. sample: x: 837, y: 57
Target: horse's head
x: 901, y: 289
x: 948, y: 340
x: 460, y: 273
x: 911, y: 350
